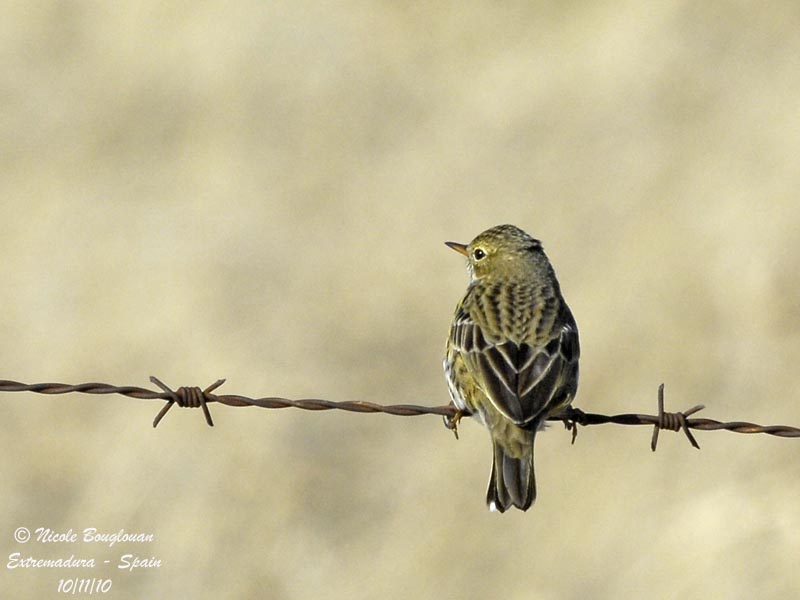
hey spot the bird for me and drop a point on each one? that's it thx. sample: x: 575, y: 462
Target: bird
x: 511, y: 356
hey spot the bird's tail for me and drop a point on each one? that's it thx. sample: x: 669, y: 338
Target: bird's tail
x: 512, y: 482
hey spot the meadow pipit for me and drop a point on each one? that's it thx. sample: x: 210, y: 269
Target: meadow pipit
x: 512, y: 354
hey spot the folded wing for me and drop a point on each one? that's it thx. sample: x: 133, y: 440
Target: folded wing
x: 523, y: 381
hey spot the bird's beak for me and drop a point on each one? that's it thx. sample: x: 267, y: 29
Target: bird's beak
x: 460, y: 248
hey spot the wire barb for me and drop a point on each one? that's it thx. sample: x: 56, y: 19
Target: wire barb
x: 673, y: 421
x: 187, y: 397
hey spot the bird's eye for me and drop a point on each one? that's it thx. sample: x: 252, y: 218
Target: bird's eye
x: 478, y: 254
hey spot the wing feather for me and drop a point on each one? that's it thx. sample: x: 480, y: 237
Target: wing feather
x: 520, y: 379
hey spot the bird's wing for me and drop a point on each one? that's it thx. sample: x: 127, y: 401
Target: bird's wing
x: 520, y: 379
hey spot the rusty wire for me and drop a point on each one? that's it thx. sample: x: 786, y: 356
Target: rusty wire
x: 194, y: 397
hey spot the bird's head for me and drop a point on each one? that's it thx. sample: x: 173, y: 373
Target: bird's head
x: 502, y: 251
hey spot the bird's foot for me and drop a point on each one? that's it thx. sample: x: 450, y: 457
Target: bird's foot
x: 452, y: 422
x: 572, y: 417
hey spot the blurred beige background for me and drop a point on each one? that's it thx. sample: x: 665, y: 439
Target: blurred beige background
x: 261, y: 191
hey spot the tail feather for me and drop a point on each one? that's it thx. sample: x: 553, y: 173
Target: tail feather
x: 512, y: 482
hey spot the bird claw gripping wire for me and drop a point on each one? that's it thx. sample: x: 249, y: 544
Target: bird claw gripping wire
x: 451, y: 422
x: 572, y: 417
x: 673, y: 421
x: 187, y: 397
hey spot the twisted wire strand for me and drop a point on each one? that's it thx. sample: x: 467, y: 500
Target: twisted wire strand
x: 195, y: 397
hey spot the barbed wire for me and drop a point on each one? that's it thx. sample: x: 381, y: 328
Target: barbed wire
x: 194, y: 397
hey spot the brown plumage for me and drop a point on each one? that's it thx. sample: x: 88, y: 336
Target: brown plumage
x: 512, y: 354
